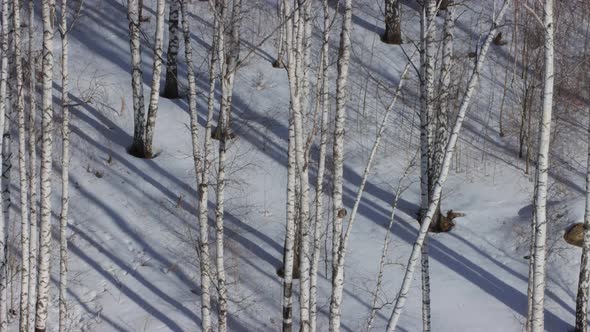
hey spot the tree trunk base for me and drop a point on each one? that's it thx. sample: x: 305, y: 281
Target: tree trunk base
x: 172, y: 94
x: 392, y: 36
x: 217, y: 134
x: 139, y: 151
x: 278, y: 63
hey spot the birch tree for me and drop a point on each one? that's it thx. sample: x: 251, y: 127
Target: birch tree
x: 171, y: 85
x: 427, y: 36
x: 393, y: 29
x: 584, y: 278
x: 65, y: 168
x: 437, y: 189
x: 32, y: 167
x: 228, y: 44
x: 541, y: 177
x: 339, y: 212
x: 298, y: 35
x: 47, y: 10
x: 133, y: 15
x: 3, y: 230
x: 22, y: 168
x: 220, y: 193
x: 323, y: 104
x: 155, y: 88
x: 201, y: 163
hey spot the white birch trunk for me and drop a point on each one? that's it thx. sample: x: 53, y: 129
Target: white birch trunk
x: 298, y: 59
x: 22, y: 169
x: 436, y: 193
x: 426, y: 139
x: 323, y: 103
x: 155, y: 88
x: 133, y: 15
x: 584, y: 278
x: 34, y: 238
x: 225, y: 108
x: 537, y: 315
x: 338, y: 160
x: 65, y: 178
x: 3, y: 223
x: 201, y: 167
x: 290, y: 227
x: 48, y: 10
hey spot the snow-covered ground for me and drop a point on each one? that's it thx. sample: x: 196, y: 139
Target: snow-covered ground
x: 133, y: 263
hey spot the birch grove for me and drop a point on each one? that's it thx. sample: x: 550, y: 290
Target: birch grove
x: 295, y: 218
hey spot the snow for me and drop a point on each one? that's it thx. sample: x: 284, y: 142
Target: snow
x: 133, y: 224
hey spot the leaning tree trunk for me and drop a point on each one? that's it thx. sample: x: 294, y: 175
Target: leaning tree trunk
x: 538, y: 294
x: 22, y: 169
x: 393, y: 29
x: 584, y: 279
x: 134, y: 17
x: 437, y: 190
x: 156, y: 71
x: 3, y: 223
x: 48, y: 8
x: 171, y: 85
x: 65, y: 168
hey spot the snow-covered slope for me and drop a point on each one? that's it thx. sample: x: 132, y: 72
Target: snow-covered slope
x: 133, y: 263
